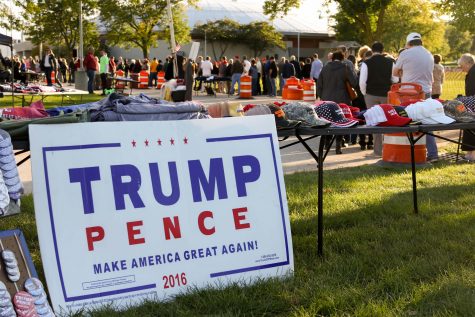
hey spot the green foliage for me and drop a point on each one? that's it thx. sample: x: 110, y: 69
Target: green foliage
x: 220, y: 34
x: 459, y: 42
x: 258, y: 36
x: 274, y: 8
x: 56, y: 22
x: 359, y: 20
x: 462, y: 12
x: 419, y: 16
x: 8, y: 18
x: 180, y: 26
x: 141, y: 23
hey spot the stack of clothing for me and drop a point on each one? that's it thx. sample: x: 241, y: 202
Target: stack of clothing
x: 143, y: 108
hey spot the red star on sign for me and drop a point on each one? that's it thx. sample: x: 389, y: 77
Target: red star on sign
x: 185, y: 140
x: 146, y: 142
x: 172, y: 142
x: 159, y: 142
x: 133, y: 143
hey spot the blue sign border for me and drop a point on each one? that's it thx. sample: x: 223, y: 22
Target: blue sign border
x: 150, y: 286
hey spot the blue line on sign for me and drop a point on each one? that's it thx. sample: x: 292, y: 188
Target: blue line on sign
x: 120, y: 291
x: 259, y: 267
x: 247, y: 269
x: 48, y: 194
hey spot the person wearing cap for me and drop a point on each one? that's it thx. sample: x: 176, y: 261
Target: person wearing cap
x: 415, y: 65
x: 467, y: 62
x: 375, y: 82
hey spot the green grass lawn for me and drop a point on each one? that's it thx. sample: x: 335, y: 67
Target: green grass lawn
x: 381, y: 259
x: 51, y: 101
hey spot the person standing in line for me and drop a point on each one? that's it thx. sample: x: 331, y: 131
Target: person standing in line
x: 273, y: 70
x: 90, y: 66
x: 467, y: 63
x: 307, y: 68
x: 236, y: 70
x: 103, y: 71
x: 287, y: 71
x: 72, y: 70
x: 439, y: 76
x: 297, y: 68
x: 331, y: 86
x: 222, y: 74
x: 48, y: 66
x: 254, y: 74
x: 375, y: 81
x: 265, y: 78
x: 246, y: 64
x: 280, y: 67
x: 152, y: 78
x: 416, y: 65
x: 315, y: 70
x: 259, y: 75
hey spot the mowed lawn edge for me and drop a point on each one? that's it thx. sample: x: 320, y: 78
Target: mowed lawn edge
x: 380, y: 259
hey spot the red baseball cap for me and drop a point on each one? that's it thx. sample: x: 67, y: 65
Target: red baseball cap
x: 346, y: 111
x: 394, y: 119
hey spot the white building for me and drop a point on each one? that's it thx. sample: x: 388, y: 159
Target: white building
x: 304, y: 32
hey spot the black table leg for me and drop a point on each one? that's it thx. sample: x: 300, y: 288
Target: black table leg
x: 410, y: 136
x: 321, y: 158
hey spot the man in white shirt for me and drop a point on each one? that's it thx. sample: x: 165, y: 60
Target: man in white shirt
x: 315, y: 70
x: 206, y: 67
x: 415, y: 65
x: 246, y: 64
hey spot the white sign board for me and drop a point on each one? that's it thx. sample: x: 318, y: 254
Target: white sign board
x: 195, y: 46
x: 134, y: 210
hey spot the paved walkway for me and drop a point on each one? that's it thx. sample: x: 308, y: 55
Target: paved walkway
x: 294, y: 158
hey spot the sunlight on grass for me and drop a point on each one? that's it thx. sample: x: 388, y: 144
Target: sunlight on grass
x: 381, y: 259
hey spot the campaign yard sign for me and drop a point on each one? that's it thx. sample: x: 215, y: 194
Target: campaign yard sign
x: 128, y: 211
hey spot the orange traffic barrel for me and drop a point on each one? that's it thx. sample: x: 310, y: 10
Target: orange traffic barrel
x: 143, y: 79
x: 119, y: 84
x: 308, y: 90
x: 293, y: 93
x: 292, y: 82
x: 402, y: 92
x: 160, y: 79
x: 397, y: 149
x: 53, y: 75
x: 246, y: 87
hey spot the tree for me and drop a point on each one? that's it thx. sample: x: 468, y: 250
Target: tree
x: 220, y: 34
x: 180, y: 26
x: 260, y: 36
x: 459, y: 42
x: 462, y: 12
x: 420, y: 17
x: 139, y: 23
x: 57, y: 22
x: 364, y: 19
x: 273, y: 8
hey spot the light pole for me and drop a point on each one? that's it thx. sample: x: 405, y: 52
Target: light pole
x: 172, y: 39
x: 205, y: 45
x: 80, y: 77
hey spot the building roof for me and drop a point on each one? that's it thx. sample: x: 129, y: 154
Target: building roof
x: 246, y: 11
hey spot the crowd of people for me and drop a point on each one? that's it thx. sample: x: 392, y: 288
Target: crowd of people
x: 369, y: 75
